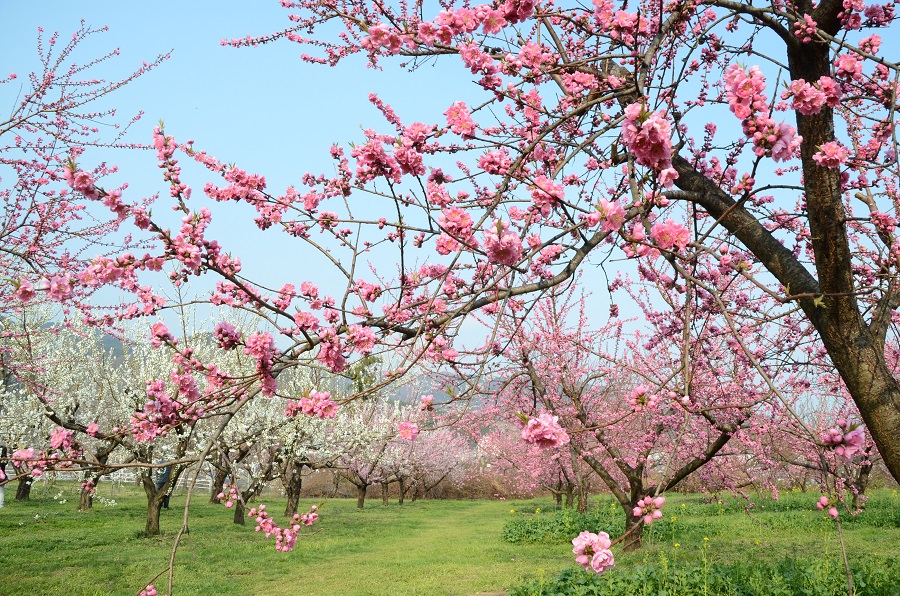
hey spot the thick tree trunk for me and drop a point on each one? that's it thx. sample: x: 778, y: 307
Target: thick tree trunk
x: 557, y: 496
x: 402, y: 490
x: 634, y: 527
x: 239, y: 513
x: 384, y: 494
x: 361, y: 496
x: 23, y: 490
x: 154, y: 506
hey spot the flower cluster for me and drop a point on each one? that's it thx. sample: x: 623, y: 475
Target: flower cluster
x: 649, y: 508
x: 648, y: 138
x: 670, y: 235
x: 744, y: 92
x: 823, y: 503
x: 227, y: 335
x: 545, y: 431
x: 846, y: 439
x: 317, y: 404
x: 641, y: 398
x: 593, y: 552
x: 502, y: 246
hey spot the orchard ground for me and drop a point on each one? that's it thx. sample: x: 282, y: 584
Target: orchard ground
x: 424, y: 547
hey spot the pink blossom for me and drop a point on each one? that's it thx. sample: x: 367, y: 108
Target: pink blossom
x: 460, y: 121
x: 592, y: 551
x: 92, y: 429
x: 407, y: 430
x: 648, y: 138
x: 427, y: 402
x: 846, y: 439
x: 670, y: 234
x: 649, y: 508
x: 831, y: 155
x: 24, y: 291
x: 159, y: 334
x: 545, y: 431
x: 227, y: 335
x: 612, y: 214
x: 502, y: 246
x: 546, y: 194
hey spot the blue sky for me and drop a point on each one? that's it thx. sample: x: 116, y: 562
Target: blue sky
x: 262, y: 108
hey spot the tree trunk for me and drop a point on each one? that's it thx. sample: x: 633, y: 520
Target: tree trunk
x: 582, y: 496
x: 86, y: 502
x: 384, y: 494
x: 634, y: 525
x: 570, y: 495
x: 292, y: 486
x: 361, y: 496
x: 239, y: 513
x: 402, y: 490
x: 860, y: 484
x: 154, y: 506
x: 218, y: 484
x: 558, y: 497
x: 23, y: 491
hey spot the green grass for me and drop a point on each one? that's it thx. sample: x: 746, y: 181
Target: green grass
x: 422, y: 548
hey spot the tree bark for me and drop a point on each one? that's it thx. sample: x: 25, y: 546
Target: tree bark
x: 361, y: 496
x: 402, y: 490
x: 634, y: 539
x: 384, y: 494
x: 86, y: 501
x: 154, y: 506
x: 239, y: 513
x: 218, y: 484
x: 23, y: 490
x: 292, y: 481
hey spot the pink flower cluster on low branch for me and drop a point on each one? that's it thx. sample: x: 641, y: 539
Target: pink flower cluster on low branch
x: 592, y: 551
x: 649, y: 508
x: 824, y: 502
x: 285, y: 538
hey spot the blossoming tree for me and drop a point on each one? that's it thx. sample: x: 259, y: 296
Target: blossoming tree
x: 593, y: 134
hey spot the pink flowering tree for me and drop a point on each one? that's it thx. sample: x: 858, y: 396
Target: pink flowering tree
x: 644, y: 412
x: 528, y: 468
x: 50, y: 234
x: 589, y: 133
x: 587, y: 137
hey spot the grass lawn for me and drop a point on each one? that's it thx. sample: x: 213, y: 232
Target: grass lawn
x: 426, y: 547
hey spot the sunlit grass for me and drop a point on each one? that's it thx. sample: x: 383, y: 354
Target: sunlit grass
x: 425, y: 547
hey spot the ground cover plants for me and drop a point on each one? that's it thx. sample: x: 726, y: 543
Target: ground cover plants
x: 445, y: 547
